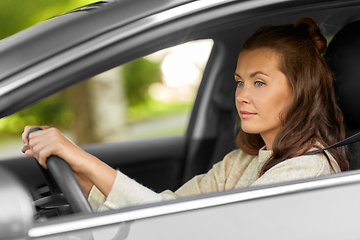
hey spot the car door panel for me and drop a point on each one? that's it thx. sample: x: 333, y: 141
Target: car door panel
x: 156, y: 162
x: 229, y: 214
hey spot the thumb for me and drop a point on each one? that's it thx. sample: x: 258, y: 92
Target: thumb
x: 29, y: 153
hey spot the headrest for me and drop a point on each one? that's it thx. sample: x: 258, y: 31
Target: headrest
x: 343, y: 56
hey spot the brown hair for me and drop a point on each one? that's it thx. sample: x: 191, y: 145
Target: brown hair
x: 313, y: 116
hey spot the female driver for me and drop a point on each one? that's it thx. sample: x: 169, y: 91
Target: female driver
x: 286, y: 102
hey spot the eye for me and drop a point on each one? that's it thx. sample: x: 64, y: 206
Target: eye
x: 239, y: 83
x: 259, y: 84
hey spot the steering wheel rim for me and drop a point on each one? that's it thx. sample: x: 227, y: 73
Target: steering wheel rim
x: 68, y: 184
x: 60, y: 172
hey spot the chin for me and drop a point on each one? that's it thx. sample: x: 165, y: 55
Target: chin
x: 249, y: 130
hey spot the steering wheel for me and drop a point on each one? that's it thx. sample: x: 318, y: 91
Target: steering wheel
x: 60, y: 178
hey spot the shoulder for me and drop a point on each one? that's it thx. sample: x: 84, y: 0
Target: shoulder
x: 322, y: 163
x: 299, y: 168
x: 313, y: 165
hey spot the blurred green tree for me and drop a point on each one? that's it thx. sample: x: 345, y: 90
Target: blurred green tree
x: 16, y: 15
x: 138, y: 82
x: 52, y: 111
x: 70, y: 110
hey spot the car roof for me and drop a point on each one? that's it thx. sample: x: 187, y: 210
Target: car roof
x: 27, y: 47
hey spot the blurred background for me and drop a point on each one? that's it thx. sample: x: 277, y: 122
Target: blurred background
x: 149, y: 97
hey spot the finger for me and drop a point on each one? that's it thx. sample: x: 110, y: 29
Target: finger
x: 43, y: 156
x: 29, y: 153
x: 39, y: 144
x: 33, y: 138
x: 37, y: 148
x: 36, y: 134
x: 24, y: 135
x: 27, y: 129
x: 25, y: 148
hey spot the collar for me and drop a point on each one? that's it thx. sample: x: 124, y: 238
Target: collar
x: 264, y: 155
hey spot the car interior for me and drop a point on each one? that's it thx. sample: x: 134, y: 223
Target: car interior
x: 343, y: 55
x: 168, y: 162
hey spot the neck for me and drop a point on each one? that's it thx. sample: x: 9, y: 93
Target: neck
x: 269, y: 138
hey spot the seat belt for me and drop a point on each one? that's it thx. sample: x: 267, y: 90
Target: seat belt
x: 352, y: 139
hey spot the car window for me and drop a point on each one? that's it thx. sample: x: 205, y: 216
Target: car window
x: 148, y: 97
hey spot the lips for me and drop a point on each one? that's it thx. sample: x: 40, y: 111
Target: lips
x: 246, y: 114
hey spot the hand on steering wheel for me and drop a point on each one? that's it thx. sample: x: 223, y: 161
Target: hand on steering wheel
x: 65, y: 180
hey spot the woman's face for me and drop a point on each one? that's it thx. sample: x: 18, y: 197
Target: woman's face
x: 262, y: 93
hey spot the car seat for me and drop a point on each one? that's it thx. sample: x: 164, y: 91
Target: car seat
x: 343, y: 56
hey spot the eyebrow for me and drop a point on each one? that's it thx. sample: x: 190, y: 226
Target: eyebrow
x: 253, y: 74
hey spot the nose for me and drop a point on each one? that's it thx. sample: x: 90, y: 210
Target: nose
x: 243, y: 95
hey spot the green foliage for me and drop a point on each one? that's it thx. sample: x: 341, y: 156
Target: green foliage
x: 177, y: 130
x: 16, y: 15
x: 53, y: 111
x: 138, y: 75
x: 152, y: 108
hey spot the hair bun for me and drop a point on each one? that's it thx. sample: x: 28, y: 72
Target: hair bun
x: 309, y: 27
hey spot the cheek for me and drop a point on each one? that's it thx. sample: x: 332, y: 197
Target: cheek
x: 272, y: 105
x: 283, y: 105
x: 263, y: 102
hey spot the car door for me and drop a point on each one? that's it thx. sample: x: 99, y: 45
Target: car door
x: 304, y: 209
x: 158, y: 162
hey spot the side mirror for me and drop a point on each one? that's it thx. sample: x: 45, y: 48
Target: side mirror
x: 16, y: 210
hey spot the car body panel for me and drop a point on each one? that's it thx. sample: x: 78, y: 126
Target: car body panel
x: 251, y: 213
x: 17, y: 212
x: 25, y: 49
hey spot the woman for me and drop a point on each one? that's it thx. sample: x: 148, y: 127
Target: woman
x: 287, y: 106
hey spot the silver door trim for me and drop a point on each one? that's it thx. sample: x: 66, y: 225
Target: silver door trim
x: 186, y: 205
